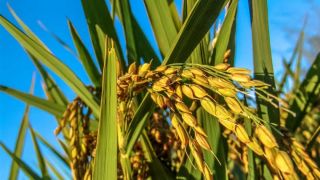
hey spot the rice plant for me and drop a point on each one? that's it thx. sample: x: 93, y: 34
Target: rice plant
x: 189, y: 114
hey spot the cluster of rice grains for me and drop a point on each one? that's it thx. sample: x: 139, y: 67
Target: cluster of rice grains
x: 174, y: 132
x: 180, y: 89
x: 82, y: 142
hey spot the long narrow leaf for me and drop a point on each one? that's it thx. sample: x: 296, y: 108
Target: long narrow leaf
x: 53, y: 63
x: 195, y: 27
x: 14, y: 170
x: 306, y: 96
x: 263, y: 69
x: 162, y: 23
x: 61, y: 157
x: 26, y: 169
x: 40, y: 158
x: 48, y: 106
x: 97, y: 14
x: 85, y: 57
x: 225, y: 33
x: 20, y: 144
x: 105, y: 166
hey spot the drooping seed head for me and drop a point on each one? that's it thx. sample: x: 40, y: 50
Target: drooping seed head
x: 216, y: 82
x: 235, y: 70
x: 226, y: 92
x: 222, y: 113
x: 242, y: 134
x: 187, y: 74
x: 255, y: 147
x: 241, y: 78
x: 161, y: 68
x: 200, y: 80
x: 265, y: 136
x: 234, y: 105
x: 208, y: 105
x: 199, y: 130
x: 132, y: 68
x: 222, y: 66
x: 202, y: 141
x: 196, y: 71
x: 227, y: 124
x: 197, y: 154
x: 198, y: 91
x: 182, y: 107
x: 187, y: 91
x: 189, y: 119
x: 144, y: 69
x: 170, y: 70
x: 284, y: 163
x: 178, y: 91
x: 182, y: 136
x: 207, y: 173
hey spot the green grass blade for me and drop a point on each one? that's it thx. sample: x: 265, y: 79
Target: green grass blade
x: 306, y: 96
x: 105, y: 166
x: 85, y: 57
x: 53, y: 91
x: 53, y: 63
x: 132, y: 52
x: 61, y: 157
x: 174, y: 14
x: 143, y: 46
x: 48, y: 106
x: 138, y: 123
x: 263, y: 69
x: 14, y: 170
x: 25, y: 28
x: 297, y: 48
x: 26, y: 169
x: 225, y: 34
x: 203, y: 15
x: 162, y: 24
x: 97, y: 14
x: 40, y: 158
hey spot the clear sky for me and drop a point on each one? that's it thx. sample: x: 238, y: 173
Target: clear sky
x: 286, y: 19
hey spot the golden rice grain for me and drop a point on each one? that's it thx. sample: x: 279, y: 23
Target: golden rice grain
x: 187, y: 91
x: 189, y: 119
x: 265, y: 136
x: 284, y: 163
x: 198, y: 91
x: 234, y: 105
x: 241, y: 134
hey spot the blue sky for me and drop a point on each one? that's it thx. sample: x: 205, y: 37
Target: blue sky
x: 16, y: 69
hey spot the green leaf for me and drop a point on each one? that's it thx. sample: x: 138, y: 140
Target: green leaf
x: 40, y: 158
x: 19, y: 144
x: 132, y: 52
x: 162, y: 23
x: 297, y: 48
x: 263, y: 69
x: 14, y: 170
x: 53, y: 91
x: 225, y: 33
x: 61, y: 157
x: 174, y: 14
x: 97, y: 14
x: 105, y: 166
x: 306, y: 97
x: 197, y: 24
x: 26, y: 169
x: 85, y: 57
x: 138, y: 123
x: 48, y: 106
x: 54, y: 64
x: 141, y: 45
